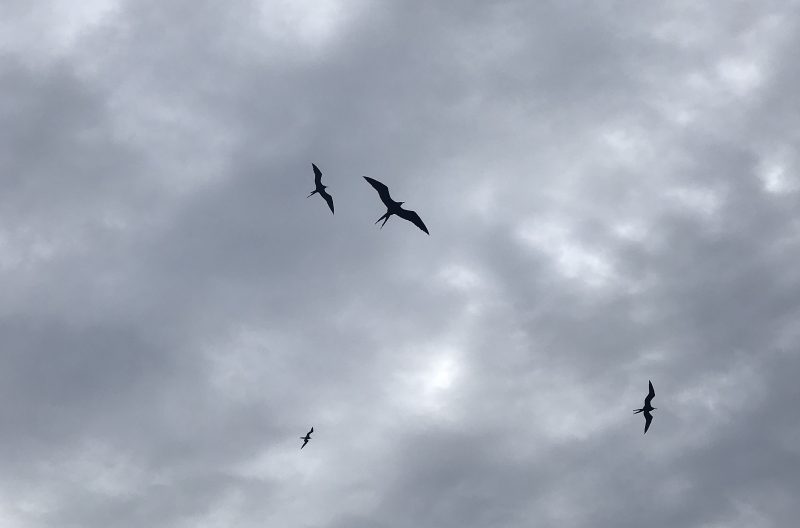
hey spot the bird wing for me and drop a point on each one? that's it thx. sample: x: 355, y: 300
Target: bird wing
x: 650, y: 395
x: 383, y: 191
x: 414, y: 218
x: 304, y: 444
x: 311, y: 431
x: 647, y: 419
x: 317, y: 175
x: 328, y: 198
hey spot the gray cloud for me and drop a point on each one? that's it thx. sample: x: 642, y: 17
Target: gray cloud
x: 611, y: 191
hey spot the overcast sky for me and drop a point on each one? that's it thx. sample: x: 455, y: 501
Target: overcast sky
x: 613, y: 197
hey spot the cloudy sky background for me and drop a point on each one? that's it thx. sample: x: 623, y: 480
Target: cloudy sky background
x: 612, y: 192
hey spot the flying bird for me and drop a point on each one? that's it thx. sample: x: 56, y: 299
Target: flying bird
x: 393, y: 208
x: 306, y: 438
x: 647, y: 407
x: 320, y: 188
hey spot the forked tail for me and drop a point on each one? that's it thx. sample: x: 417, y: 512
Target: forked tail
x: 385, y: 219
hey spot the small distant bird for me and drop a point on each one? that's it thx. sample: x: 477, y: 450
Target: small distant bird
x: 320, y: 188
x: 647, y: 407
x: 393, y: 208
x: 306, y: 438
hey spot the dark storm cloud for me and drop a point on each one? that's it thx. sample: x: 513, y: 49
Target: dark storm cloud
x: 609, y: 193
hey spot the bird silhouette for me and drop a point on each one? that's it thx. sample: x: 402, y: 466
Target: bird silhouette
x: 320, y: 188
x: 647, y: 407
x: 306, y: 438
x: 393, y: 208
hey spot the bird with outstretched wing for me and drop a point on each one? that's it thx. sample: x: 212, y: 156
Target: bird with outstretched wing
x: 648, y: 408
x: 393, y: 207
x: 306, y: 438
x: 320, y: 189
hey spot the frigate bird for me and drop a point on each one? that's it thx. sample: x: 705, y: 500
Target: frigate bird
x: 306, y: 438
x: 393, y: 208
x: 647, y: 407
x: 320, y: 188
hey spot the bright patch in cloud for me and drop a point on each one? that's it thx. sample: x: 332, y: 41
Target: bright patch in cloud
x: 628, y: 145
x: 426, y: 386
x: 704, y: 201
x: 312, y: 24
x: 460, y: 277
x: 740, y: 75
x: 572, y: 259
x: 53, y: 29
x: 777, y: 175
